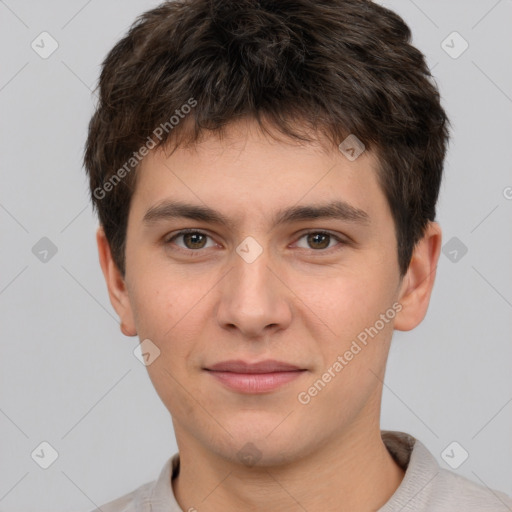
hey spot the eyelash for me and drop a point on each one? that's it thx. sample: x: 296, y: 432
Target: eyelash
x: 342, y: 242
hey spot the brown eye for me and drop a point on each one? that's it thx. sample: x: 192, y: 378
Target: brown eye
x: 319, y: 240
x: 192, y: 240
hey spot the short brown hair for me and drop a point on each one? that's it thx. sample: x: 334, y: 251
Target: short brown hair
x: 339, y: 67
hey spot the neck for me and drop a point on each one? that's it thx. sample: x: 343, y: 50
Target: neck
x: 354, y: 473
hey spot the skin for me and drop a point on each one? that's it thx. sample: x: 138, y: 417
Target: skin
x: 301, y: 301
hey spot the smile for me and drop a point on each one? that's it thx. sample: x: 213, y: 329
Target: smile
x: 261, y: 377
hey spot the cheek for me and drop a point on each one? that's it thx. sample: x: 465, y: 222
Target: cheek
x: 168, y: 314
x: 345, y: 304
x: 164, y: 303
x: 173, y: 312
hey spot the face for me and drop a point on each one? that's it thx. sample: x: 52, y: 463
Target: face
x: 273, y: 329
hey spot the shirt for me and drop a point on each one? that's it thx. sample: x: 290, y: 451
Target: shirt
x: 426, y: 487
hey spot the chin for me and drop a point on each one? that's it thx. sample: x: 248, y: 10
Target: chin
x: 261, y: 446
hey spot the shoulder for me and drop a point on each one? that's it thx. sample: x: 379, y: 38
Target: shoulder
x: 131, y: 502
x: 428, y: 487
x: 459, y: 493
x: 152, y: 496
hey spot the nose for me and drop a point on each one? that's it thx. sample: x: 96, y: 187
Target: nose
x: 253, y: 298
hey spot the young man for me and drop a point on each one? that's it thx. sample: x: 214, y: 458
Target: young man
x: 266, y: 176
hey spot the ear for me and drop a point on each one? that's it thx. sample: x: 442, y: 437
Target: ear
x: 116, y: 285
x: 417, y: 284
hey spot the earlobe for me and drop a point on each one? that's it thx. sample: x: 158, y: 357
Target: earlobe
x: 116, y: 285
x: 126, y: 331
x: 418, y: 282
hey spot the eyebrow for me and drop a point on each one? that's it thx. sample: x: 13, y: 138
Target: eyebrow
x: 339, y: 210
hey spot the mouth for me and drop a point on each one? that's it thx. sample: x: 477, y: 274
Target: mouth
x: 254, y: 378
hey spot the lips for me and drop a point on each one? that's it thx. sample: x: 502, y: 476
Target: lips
x: 261, y: 377
x: 268, y: 366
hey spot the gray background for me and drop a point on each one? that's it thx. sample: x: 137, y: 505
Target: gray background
x: 68, y: 375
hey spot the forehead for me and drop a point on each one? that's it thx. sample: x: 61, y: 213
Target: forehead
x: 247, y: 172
